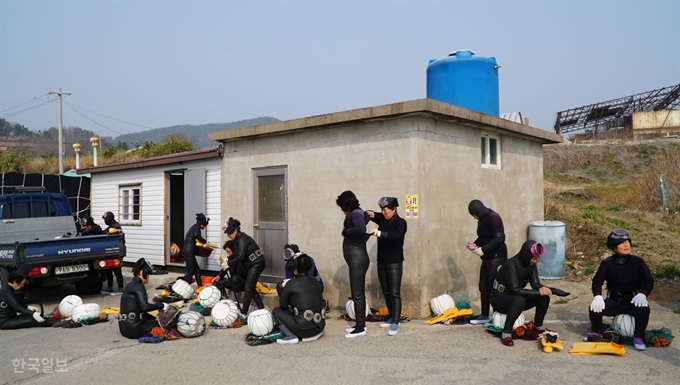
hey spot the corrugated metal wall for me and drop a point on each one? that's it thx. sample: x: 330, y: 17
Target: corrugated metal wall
x: 147, y: 240
x: 212, y: 209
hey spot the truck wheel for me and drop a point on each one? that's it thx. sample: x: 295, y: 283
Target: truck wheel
x: 90, y: 285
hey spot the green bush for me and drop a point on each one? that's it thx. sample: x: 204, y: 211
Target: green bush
x: 14, y: 160
x: 666, y: 270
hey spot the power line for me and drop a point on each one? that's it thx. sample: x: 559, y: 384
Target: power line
x: 19, y: 105
x: 95, y: 122
x: 21, y: 100
x: 27, y: 109
x: 119, y: 120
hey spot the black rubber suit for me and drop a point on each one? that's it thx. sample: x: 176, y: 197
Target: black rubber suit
x: 514, y: 276
x: 113, y: 224
x: 356, y: 256
x: 236, y: 281
x: 625, y: 277
x: 248, y: 253
x: 301, y: 307
x: 134, y: 320
x: 491, y: 238
x: 10, y: 306
x: 189, y: 253
x: 391, y: 260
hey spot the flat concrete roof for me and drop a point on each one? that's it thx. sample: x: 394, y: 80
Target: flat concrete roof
x: 420, y: 107
x: 178, y: 158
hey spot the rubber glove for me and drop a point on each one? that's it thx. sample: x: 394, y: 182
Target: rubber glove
x: 375, y: 232
x: 598, y: 304
x: 640, y: 300
x: 38, y: 317
x: 165, y: 306
x: 478, y: 251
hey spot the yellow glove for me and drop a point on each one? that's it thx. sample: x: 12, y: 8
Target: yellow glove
x: 199, y: 243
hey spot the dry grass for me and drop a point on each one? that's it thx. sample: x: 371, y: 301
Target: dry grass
x: 50, y: 165
x: 595, y: 188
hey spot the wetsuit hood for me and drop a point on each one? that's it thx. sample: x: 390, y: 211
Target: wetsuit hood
x: 476, y: 207
x: 529, y: 250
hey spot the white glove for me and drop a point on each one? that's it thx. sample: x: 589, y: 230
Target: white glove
x: 478, y: 251
x: 38, y: 317
x: 375, y: 232
x: 640, y: 300
x: 32, y: 308
x: 598, y: 304
x: 165, y: 306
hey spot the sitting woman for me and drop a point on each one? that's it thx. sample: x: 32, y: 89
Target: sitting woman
x: 235, y: 279
x: 509, y: 295
x: 134, y: 320
x: 300, y: 312
x: 14, y: 314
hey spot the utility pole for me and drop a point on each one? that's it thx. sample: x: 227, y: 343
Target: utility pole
x: 61, y: 135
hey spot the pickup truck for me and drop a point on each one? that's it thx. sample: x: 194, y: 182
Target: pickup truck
x: 38, y: 229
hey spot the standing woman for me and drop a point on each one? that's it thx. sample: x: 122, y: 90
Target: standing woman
x: 248, y: 253
x: 391, y: 231
x: 189, y: 250
x: 354, y: 250
x: 490, y: 247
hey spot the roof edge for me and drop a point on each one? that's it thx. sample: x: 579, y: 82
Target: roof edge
x: 437, y: 109
x: 180, y: 157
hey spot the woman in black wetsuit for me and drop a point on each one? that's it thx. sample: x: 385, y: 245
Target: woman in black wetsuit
x: 390, y: 232
x: 134, y: 320
x: 509, y: 295
x: 251, y: 256
x: 189, y: 250
x: 354, y: 250
x: 14, y: 314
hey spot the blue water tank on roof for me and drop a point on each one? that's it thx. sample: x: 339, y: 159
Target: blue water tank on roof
x: 466, y: 80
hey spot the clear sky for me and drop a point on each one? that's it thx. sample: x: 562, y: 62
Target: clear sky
x: 162, y: 63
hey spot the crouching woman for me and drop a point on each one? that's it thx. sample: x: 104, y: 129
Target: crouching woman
x: 300, y: 313
x: 134, y: 320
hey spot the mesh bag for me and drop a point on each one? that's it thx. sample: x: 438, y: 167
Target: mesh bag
x: 659, y: 338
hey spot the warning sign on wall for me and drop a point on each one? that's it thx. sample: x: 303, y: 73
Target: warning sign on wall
x: 411, y: 206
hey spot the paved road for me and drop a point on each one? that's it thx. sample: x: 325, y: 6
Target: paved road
x: 419, y: 354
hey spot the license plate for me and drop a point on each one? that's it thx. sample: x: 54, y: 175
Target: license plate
x: 70, y: 269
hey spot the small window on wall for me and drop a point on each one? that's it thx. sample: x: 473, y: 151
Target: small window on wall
x: 491, y: 151
x: 130, y: 204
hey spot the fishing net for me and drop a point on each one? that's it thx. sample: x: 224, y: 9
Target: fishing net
x: 76, y: 188
x: 254, y: 340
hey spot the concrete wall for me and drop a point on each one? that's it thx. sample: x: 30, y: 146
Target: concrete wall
x: 409, y: 155
x: 656, y: 119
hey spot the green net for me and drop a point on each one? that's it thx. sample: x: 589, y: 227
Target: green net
x: 254, y: 340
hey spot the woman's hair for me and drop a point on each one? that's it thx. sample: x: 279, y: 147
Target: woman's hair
x: 303, y: 264
x: 228, y: 244
x: 347, y: 201
x: 14, y: 278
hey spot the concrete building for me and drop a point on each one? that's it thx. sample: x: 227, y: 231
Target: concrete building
x: 156, y: 199
x: 281, y: 180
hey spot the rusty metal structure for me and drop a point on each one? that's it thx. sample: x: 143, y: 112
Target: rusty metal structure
x: 615, y: 114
